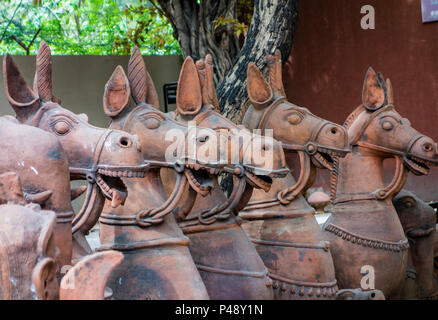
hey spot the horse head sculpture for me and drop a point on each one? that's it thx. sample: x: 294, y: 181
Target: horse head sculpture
x: 418, y: 220
x: 100, y: 156
x: 213, y: 218
x: 44, y: 176
x: 146, y: 221
x: 296, y: 127
x: 260, y: 166
x: 316, y: 141
x: 364, y: 228
x: 281, y: 223
x: 376, y: 128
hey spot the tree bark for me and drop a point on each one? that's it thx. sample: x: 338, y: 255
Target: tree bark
x: 193, y: 28
x: 273, y: 27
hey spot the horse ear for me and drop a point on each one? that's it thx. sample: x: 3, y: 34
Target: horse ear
x: 35, y: 89
x: 275, y: 74
x: 20, y: 96
x: 389, y: 92
x: 143, y: 88
x: 210, y: 82
x: 373, y: 94
x: 43, y: 83
x: 202, y: 74
x: 188, y: 95
x: 152, y: 95
x: 44, y: 270
x: 117, y: 92
x: 259, y: 91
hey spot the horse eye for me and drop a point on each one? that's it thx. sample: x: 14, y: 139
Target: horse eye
x: 427, y: 147
x: 294, y: 119
x: 408, y: 204
x: 387, y: 125
x: 61, y: 127
x: 152, y: 123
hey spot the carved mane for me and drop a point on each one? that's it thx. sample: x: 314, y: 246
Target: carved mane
x: 335, y: 172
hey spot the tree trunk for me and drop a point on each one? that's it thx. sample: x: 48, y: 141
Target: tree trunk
x: 194, y: 29
x: 272, y: 27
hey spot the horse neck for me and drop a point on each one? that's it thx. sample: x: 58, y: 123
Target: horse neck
x: 145, y: 193
x: 360, y: 172
x: 210, y: 201
x: 278, y: 185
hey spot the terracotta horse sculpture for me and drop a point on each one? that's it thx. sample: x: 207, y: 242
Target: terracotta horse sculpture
x: 157, y: 263
x: 27, y: 246
x: 364, y: 230
x: 281, y: 223
x: 418, y: 220
x: 226, y: 259
x: 28, y: 249
x: 44, y: 176
x: 101, y: 156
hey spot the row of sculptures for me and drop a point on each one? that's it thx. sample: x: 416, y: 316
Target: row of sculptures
x: 168, y: 231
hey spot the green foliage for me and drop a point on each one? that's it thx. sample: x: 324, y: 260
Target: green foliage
x: 244, y: 17
x: 238, y: 27
x: 94, y: 27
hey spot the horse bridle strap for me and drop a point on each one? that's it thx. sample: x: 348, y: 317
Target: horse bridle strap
x: 131, y: 115
x: 83, y: 215
x: 264, y: 117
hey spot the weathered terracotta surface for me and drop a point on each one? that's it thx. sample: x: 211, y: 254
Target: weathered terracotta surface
x: 226, y: 259
x: 418, y: 220
x: 101, y: 156
x: 281, y: 223
x: 28, y: 249
x: 27, y: 245
x: 87, y: 279
x: 364, y: 229
x: 157, y: 263
x: 44, y: 175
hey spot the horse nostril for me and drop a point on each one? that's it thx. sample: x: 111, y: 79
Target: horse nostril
x: 203, y: 139
x: 334, y: 130
x: 124, y: 142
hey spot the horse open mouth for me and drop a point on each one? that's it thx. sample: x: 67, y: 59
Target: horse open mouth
x: 259, y: 181
x: 109, y: 180
x: 262, y: 179
x: 199, y: 178
x: 324, y: 157
x: 417, y: 165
